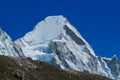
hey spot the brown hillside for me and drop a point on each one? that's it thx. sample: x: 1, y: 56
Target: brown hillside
x: 26, y: 69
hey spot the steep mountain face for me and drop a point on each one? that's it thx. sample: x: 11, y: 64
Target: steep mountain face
x: 55, y: 41
x: 7, y: 47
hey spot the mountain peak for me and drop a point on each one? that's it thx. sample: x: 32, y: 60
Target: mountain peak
x: 48, y: 29
x: 56, y: 20
x: 7, y: 47
x: 1, y: 31
x: 4, y: 35
x: 115, y: 58
x: 56, y: 17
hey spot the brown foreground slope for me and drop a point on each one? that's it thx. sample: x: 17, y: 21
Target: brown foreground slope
x: 26, y: 69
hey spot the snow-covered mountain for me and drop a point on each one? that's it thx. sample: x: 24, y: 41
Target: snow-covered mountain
x: 7, y: 47
x: 55, y: 41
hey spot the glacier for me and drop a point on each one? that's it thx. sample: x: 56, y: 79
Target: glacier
x: 55, y: 41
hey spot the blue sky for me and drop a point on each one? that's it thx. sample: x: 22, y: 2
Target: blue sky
x: 97, y: 20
